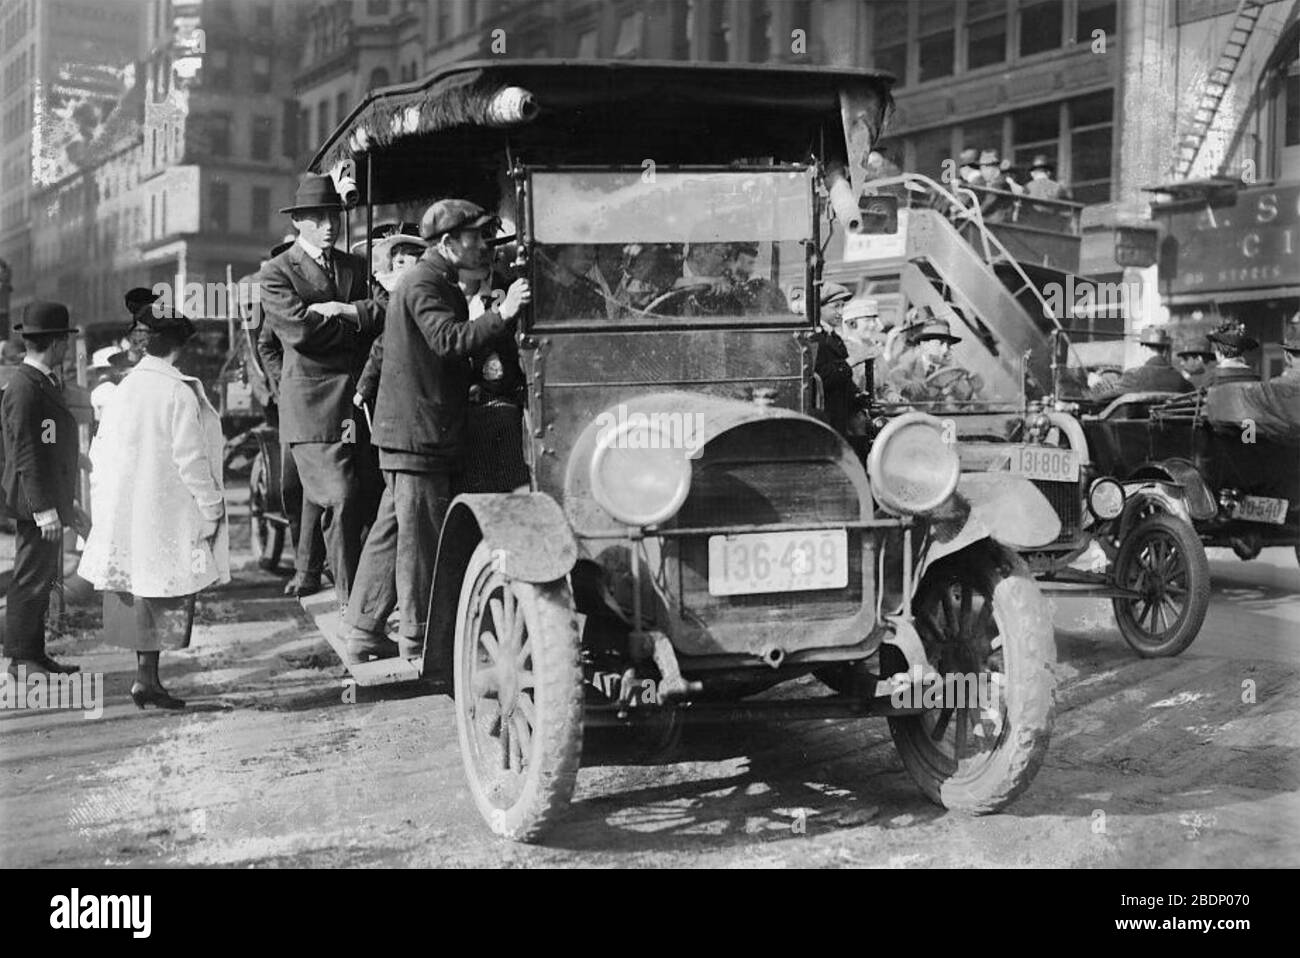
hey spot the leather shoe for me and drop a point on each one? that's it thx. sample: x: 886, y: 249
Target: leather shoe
x: 302, y: 583
x: 58, y: 668
x: 363, y: 646
x: 30, y: 667
x: 157, y: 697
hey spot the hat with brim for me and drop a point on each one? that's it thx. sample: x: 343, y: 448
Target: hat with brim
x: 861, y: 309
x: 161, y: 319
x: 384, y: 248
x: 1041, y: 162
x: 42, y: 317
x: 1234, y: 336
x: 1155, y: 337
x: 139, y: 296
x: 109, y: 357
x: 990, y: 158
x: 1198, y: 347
x: 935, y: 329
x: 968, y: 157
x: 315, y: 193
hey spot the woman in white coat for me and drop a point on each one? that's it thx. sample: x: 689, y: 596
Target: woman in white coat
x: 158, y: 511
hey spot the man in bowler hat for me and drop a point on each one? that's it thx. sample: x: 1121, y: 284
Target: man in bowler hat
x: 420, y: 416
x: 317, y: 301
x: 39, y: 482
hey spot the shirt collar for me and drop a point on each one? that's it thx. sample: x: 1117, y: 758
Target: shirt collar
x: 37, y: 364
x: 311, y: 249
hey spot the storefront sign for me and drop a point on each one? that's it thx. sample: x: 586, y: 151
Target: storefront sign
x: 1252, y: 243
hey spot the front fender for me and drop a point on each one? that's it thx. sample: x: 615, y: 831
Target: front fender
x: 1167, y: 496
x: 1201, y: 503
x: 527, y: 534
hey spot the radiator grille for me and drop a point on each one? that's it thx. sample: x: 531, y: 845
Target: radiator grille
x: 1064, y: 500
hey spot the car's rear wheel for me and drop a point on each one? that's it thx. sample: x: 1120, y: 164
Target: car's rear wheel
x: 1161, y: 559
x: 265, y: 536
x: 980, y: 614
x: 519, y: 697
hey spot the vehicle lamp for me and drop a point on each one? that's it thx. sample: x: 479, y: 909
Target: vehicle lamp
x: 1106, y: 498
x: 912, y: 467
x: 639, y: 475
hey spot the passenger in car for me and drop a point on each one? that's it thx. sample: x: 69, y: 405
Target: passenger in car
x: 1157, y: 374
x: 1290, y: 352
x: 565, y: 289
x: 1231, y: 343
x: 1196, y: 362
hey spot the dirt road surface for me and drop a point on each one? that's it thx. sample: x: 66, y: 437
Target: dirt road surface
x: 1183, y: 762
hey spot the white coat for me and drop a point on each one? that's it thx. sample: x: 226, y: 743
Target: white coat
x: 156, y: 475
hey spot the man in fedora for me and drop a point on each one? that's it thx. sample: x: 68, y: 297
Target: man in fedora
x: 1290, y: 352
x: 1231, y: 343
x: 1156, y: 375
x: 318, y: 304
x: 1196, y: 362
x: 39, y: 482
x: 994, y: 206
x: 420, y: 415
x: 926, y: 371
x: 1042, y: 183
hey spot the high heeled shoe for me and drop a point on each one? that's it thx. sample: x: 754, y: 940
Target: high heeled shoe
x: 157, y: 697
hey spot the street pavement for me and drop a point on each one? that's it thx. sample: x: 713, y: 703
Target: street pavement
x: 1185, y: 762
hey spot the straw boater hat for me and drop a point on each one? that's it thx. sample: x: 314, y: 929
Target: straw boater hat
x: 315, y: 193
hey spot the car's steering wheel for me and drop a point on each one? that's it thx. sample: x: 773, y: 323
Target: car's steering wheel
x: 947, y: 376
x: 673, y: 294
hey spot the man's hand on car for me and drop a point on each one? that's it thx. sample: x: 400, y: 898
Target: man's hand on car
x: 517, y: 296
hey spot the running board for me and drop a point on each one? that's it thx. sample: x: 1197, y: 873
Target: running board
x: 323, y: 608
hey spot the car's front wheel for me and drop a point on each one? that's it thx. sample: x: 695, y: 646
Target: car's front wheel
x: 983, y: 621
x: 266, y: 537
x: 519, y: 697
x: 1163, y: 562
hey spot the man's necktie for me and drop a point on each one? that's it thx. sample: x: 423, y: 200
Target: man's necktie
x: 327, y: 263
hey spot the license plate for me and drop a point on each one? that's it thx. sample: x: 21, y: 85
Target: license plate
x: 778, y: 562
x: 1046, y: 464
x: 1261, y: 509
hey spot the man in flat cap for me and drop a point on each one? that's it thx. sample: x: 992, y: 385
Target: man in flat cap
x: 420, y: 411
x: 832, y: 362
x: 318, y: 303
x: 1157, y: 374
x: 39, y: 482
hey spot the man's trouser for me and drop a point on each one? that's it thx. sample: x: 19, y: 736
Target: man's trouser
x: 302, y: 513
x: 36, y: 567
x: 331, y: 478
x: 397, y: 565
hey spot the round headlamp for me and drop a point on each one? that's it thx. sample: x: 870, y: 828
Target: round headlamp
x: 639, y: 475
x: 911, y: 466
x: 1106, y: 498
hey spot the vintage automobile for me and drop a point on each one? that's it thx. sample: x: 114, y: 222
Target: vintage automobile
x: 695, y: 534
x: 1012, y: 392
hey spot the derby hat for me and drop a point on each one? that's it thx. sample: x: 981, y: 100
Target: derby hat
x: 1041, y: 162
x: 315, y: 193
x: 1156, y: 336
x: 139, y: 296
x: 446, y: 216
x: 1200, y: 346
x: 1233, y: 335
x: 968, y: 157
x: 42, y: 316
x: 990, y: 158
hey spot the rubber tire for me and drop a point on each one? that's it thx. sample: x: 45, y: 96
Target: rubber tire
x: 266, y: 538
x: 556, y: 747
x: 1198, y: 585
x: 1024, y: 619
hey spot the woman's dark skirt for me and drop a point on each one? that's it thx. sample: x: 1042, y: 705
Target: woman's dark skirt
x: 148, y: 625
x: 494, y: 448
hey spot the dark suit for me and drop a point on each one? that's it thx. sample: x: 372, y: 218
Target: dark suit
x: 420, y: 415
x: 40, y: 473
x: 1157, y: 374
x: 322, y: 357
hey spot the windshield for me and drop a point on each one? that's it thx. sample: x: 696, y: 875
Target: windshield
x: 640, y: 247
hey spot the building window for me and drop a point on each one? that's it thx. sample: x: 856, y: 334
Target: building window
x: 261, y: 73
x: 1040, y: 26
x: 586, y: 44
x: 442, y: 21
x: 261, y: 216
x: 681, y: 25
x: 1091, y: 121
x: 1291, y: 101
x: 216, y: 66
x: 341, y: 108
x: 378, y: 77
x: 719, y: 32
x: 929, y: 150
x: 986, y: 33
x: 219, y: 134
x: 1033, y: 131
x: 304, y: 129
x: 629, y: 35
x: 153, y: 216
x: 163, y: 216
x: 891, y: 39
x: 263, y: 14
x: 985, y: 134
x: 1094, y: 15
x: 219, y: 206
x: 760, y: 32
x: 322, y: 119
x: 936, y: 39
x: 263, y: 130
